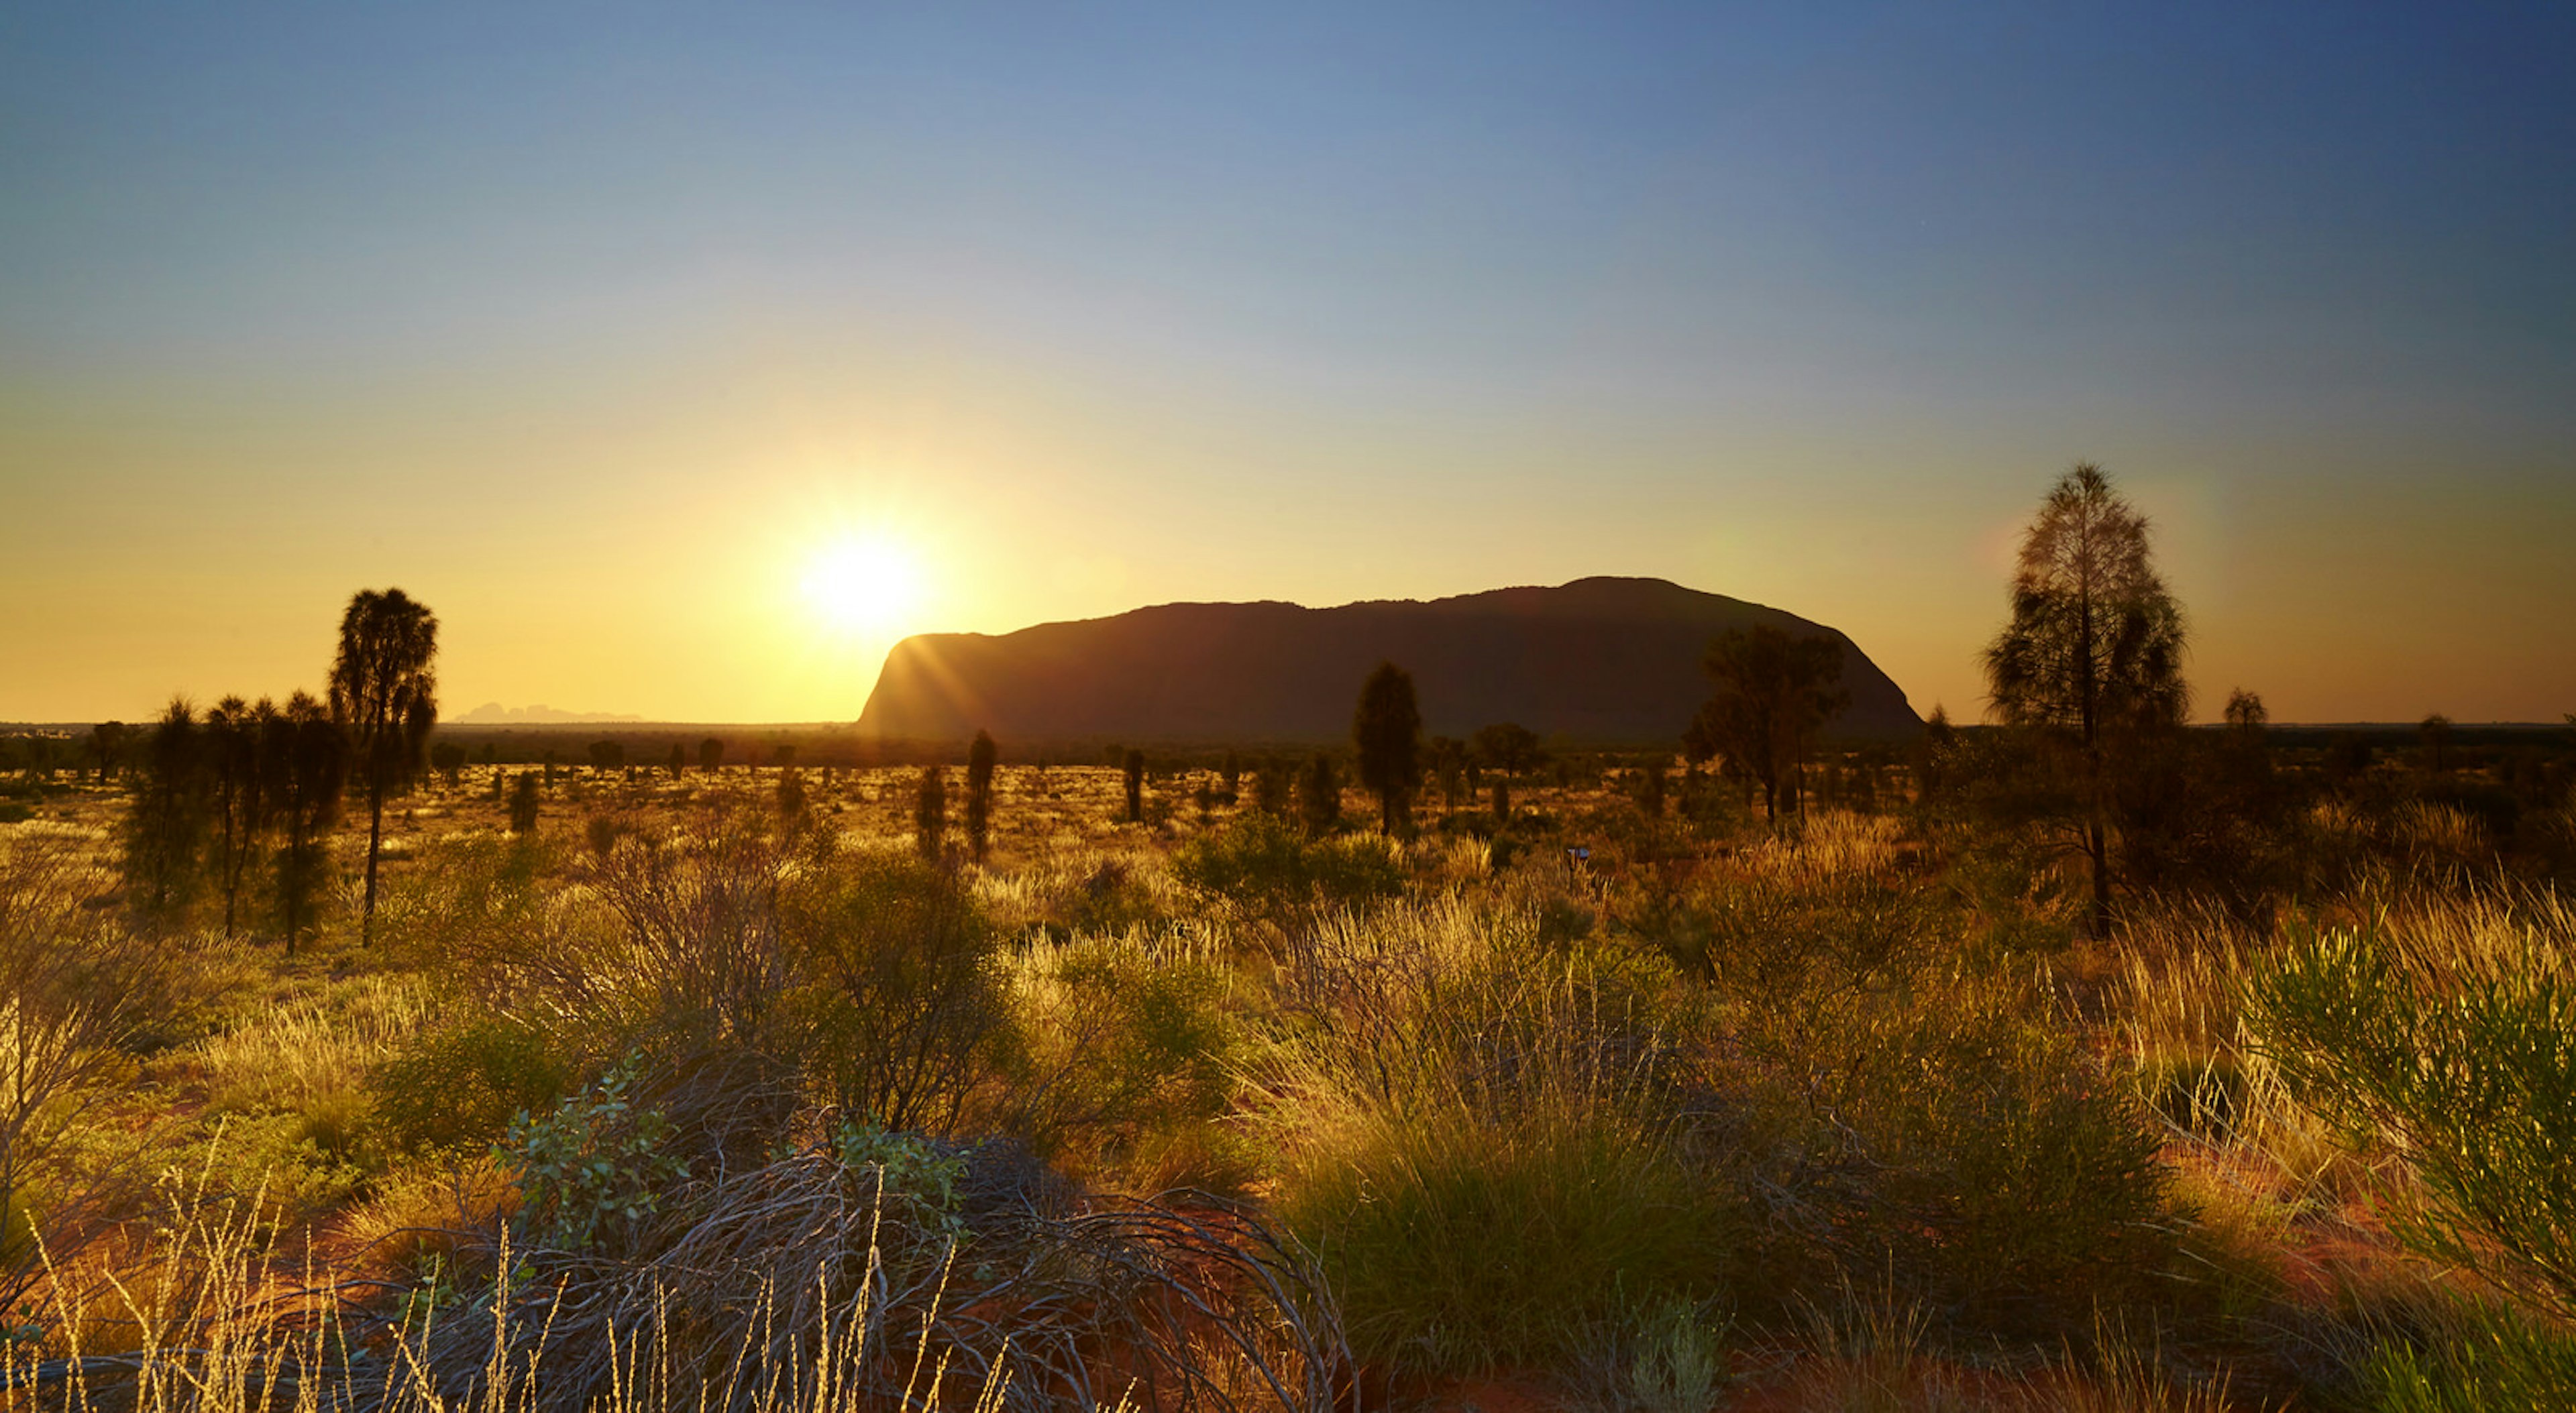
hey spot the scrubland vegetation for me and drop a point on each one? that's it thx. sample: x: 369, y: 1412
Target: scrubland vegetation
x: 716, y: 1088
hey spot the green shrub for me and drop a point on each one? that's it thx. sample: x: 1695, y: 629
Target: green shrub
x: 1132, y: 1052
x: 2492, y: 1358
x: 460, y: 1089
x: 898, y: 991
x: 2466, y: 1065
x: 1264, y: 863
x: 1458, y: 1245
x: 594, y: 1169
x: 1990, y: 1167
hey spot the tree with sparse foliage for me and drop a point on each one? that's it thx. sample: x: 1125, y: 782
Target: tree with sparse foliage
x: 106, y: 747
x: 607, y: 755
x: 793, y: 807
x: 710, y: 755
x: 305, y: 762
x: 1386, y: 729
x: 981, y: 758
x: 1509, y: 747
x: 1134, y: 766
x: 2090, y: 665
x: 523, y: 805
x: 1319, y: 797
x: 384, y: 696
x: 2436, y: 735
x: 1773, y: 694
x: 239, y: 802
x: 1270, y: 789
x: 448, y: 759
x: 678, y: 763
x: 165, y: 828
x: 930, y: 812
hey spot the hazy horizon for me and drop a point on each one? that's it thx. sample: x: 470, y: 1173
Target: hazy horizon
x: 683, y: 362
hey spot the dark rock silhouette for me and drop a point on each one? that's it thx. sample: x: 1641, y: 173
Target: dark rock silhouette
x: 1600, y: 660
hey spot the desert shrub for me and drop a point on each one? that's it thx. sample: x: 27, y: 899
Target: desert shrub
x: 898, y: 994
x: 1475, y: 1133
x: 1132, y: 1046
x: 592, y: 1170
x: 1262, y: 862
x: 460, y: 1087
x: 1460, y: 1242
x: 1979, y: 1159
x: 468, y: 901
x: 2484, y: 1357
x: 2458, y: 1050
x: 1914, y: 1121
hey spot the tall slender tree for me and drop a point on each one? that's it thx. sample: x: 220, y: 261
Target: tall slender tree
x: 981, y: 758
x: 2091, y: 662
x: 1134, y: 767
x: 1387, y: 730
x: 384, y: 696
x: 240, y: 799
x: 305, y: 758
x: 930, y: 813
x: 1319, y: 797
x: 165, y: 827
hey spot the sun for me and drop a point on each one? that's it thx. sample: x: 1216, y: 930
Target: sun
x: 862, y: 585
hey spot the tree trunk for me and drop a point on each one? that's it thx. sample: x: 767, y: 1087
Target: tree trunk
x: 375, y: 841
x: 2098, y: 853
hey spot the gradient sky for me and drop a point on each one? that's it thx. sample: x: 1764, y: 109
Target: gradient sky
x: 592, y: 325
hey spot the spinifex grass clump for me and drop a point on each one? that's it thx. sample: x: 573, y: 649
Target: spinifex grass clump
x: 1473, y: 1144
x: 2457, y: 1049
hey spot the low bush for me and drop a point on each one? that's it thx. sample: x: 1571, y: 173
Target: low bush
x: 2459, y: 1052
x: 1264, y: 863
x: 1460, y: 1243
x: 461, y: 1087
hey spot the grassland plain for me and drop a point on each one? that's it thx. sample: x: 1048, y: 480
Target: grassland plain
x: 714, y: 1092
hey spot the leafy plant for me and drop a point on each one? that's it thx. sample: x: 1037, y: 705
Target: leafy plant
x: 594, y: 1168
x: 2465, y: 1064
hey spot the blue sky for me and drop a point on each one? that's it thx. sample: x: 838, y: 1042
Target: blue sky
x: 606, y: 312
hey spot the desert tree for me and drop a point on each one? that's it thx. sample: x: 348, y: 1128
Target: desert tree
x: 106, y: 748
x: 1134, y: 768
x: 794, y: 808
x: 448, y: 759
x: 1773, y: 693
x: 239, y: 801
x: 523, y: 805
x: 678, y: 764
x: 384, y: 695
x: 1509, y: 747
x: 305, y: 762
x: 2435, y: 732
x: 1386, y: 729
x: 1270, y: 788
x: 2090, y: 663
x: 1231, y: 772
x: 1651, y: 788
x: 930, y: 812
x: 710, y: 755
x: 981, y: 757
x: 165, y: 827
x: 607, y: 755
x: 1319, y: 797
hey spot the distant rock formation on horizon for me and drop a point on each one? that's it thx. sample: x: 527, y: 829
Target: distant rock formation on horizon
x: 1607, y: 660
x: 495, y: 714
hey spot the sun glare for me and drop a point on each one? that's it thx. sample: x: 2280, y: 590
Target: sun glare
x: 862, y: 586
